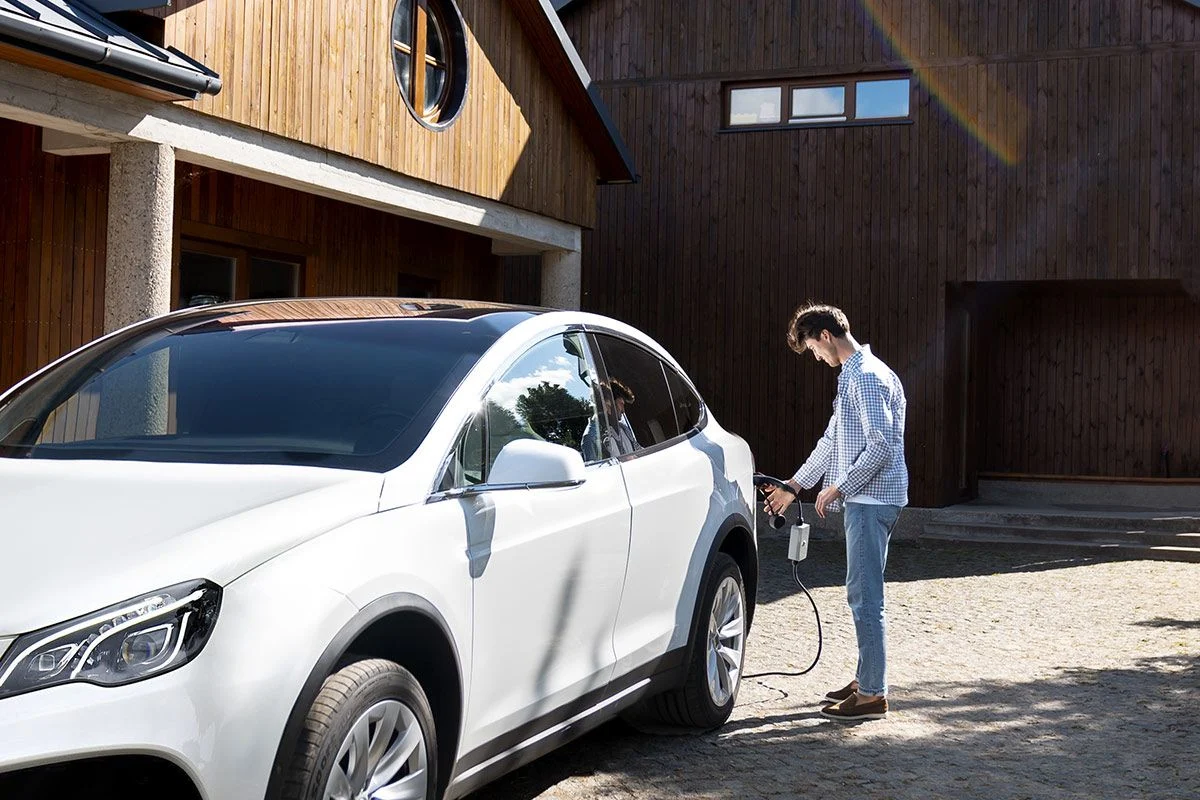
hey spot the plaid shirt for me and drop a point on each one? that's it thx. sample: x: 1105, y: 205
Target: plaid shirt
x: 862, y: 451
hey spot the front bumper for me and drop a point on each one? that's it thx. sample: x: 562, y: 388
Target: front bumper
x: 218, y: 719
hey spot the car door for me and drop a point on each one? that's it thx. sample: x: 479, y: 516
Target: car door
x: 547, y: 565
x: 669, y: 482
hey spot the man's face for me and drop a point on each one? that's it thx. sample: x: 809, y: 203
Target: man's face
x: 620, y: 401
x: 823, y: 349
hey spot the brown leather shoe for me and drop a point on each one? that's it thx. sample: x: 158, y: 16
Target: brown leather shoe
x: 853, y: 708
x: 838, y: 695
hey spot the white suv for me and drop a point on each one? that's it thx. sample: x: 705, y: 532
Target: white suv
x: 358, y: 548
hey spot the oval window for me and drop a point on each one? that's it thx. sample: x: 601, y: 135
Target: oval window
x: 429, y: 54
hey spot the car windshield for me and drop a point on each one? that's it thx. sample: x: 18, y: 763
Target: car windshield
x: 357, y: 394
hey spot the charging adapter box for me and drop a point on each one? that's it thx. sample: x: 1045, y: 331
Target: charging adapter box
x: 798, y: 545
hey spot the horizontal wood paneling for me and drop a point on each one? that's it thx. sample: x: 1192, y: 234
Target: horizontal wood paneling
x: 1103, y: 386
x: 1034, y: 161
x: 321, y: 73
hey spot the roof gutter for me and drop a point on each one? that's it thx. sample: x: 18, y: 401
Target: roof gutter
x: 99, y: 54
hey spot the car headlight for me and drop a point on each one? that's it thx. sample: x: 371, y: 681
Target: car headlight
x: 145, y: 636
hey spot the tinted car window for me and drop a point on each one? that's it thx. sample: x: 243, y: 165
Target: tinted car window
x: 642, y: 403
x: 360, y: 394
x: 548, y: 394
x: 687, y: 402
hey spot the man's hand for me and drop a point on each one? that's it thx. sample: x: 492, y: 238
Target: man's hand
x: 826, y: 497
x: 777, y: 500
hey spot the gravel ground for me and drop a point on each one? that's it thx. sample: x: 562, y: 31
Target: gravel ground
x: 1014, y: 674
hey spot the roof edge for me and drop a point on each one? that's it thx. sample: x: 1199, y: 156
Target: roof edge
x: 613, y: 160
x: 96, y: 54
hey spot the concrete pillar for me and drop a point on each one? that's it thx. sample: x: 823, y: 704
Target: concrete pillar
x: 141, y: 200
x: 562, y: 279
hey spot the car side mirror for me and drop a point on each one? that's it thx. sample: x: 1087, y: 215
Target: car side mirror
x: 534, y: 464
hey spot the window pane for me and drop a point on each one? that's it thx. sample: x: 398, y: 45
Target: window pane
x: 466, y: 465
x: 755, y: 106
x: 403, y: 71
x: 819, y: 101
x: 435, y: 82
x: 435, y: 44
x: 686, y: 401
x: 357, y: 395
x: 402, y: 22
x: 545, y: 395
x: 881, y: 99
x: 417, y: 286
x: 271, y: 278
x: 642, y: 409
x: 205, y: 279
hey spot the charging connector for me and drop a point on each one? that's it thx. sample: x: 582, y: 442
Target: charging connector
x: 797, y: 552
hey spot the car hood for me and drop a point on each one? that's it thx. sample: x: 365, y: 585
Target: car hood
x: 77, y: 536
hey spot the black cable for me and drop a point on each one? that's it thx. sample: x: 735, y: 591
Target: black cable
x: 820, y: 638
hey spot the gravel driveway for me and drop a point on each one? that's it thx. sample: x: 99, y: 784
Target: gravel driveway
x: 1015, y: 674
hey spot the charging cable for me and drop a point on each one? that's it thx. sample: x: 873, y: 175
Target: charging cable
x: 797, y: 552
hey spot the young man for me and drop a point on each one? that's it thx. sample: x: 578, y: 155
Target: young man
x: 861, y: 457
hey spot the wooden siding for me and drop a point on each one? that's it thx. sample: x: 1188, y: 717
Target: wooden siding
x: 728, y: 232
x: 53, y: 224
x: 350, y: 250
x: 321, y: 73
x: 53, y: 221
x: 1108, y: 384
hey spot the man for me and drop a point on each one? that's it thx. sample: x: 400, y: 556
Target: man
x: 861, y: 457
x: 620, y: 439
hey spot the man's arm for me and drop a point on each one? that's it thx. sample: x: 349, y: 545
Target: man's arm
x: 819, y: 462
x: 870, y: 398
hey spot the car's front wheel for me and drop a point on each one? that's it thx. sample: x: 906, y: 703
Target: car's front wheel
x: 368, y: 735
x: 718, y: 649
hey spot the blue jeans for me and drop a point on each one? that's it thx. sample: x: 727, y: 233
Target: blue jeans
x: 868, y: 529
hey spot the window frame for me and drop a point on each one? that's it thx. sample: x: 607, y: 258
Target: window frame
x: 849, y: 85
x: 439, y: 491
x: 242, y: 255
x: 447, y: 19
x: 593, y: 335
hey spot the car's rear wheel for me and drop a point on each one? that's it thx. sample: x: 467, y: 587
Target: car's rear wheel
x: 717, y: 652
x: 369, y: 735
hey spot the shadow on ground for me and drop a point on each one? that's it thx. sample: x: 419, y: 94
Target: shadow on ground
x: 1087, y: 734
x: 907, y: 561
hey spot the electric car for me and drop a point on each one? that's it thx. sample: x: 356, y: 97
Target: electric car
x: 359, y: 548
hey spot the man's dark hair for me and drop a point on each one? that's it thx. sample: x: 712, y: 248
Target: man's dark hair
x: 620, y: 390
x: 810, y: 319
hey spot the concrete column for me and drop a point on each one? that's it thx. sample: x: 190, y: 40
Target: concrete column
x: 562, y: 279
x: 141, y: 211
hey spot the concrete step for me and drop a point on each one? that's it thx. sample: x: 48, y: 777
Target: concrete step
x: 1123, y: 520
x: 1185, y: 548
x: 1147, y: 496
x: 1067, y: 533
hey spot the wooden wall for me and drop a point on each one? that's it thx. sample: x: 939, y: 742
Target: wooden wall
x: 1049, y: 141
x: 321, y: 72
x: 53, y: 223
x: 350, y: 250
x: 1106, y: 383
x: 53, y: 220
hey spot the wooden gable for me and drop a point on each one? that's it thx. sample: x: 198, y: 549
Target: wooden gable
x: 320, y: 72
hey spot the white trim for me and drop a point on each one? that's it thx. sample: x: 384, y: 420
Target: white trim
x: 60, y: 103
x: 562, y: 726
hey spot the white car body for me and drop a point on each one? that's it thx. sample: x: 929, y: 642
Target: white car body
x: 561, y: 606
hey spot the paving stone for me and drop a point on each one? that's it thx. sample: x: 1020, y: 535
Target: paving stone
x: 1014, y: 674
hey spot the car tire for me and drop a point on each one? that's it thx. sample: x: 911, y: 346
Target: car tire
x: 373, y: 707
x: 697, y: 705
